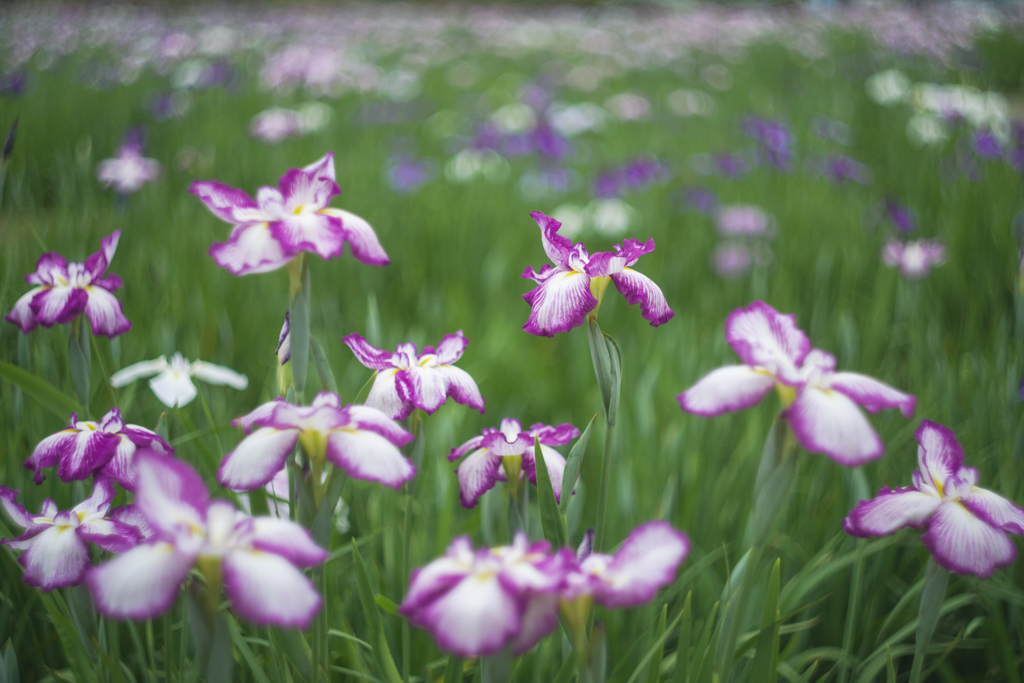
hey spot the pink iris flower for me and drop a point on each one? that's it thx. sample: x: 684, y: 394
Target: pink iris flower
x: 485, y: 454
x: 647, y: 560
x: 569, y: 290
x: 361, y: 440
x: 66, y: 290
x: 914, y: 259
x: 408, y: 379
x: 105, y: 448
x: 129, y: 171
x: 258, y: 557
x: 966, y: 525
x: 477, y: 602
x: 56, y: 544
x: 820, y: 403
x: 285, y: 221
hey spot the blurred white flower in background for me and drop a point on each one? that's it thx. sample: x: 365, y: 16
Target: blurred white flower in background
x: 572, y: 119
x: 471, y: 163
x: 514, y: 118
x: 926, y: 129
x: 888, y: 87
x: 173, y: 382
x: 628, y: 106
x: 684, y: 103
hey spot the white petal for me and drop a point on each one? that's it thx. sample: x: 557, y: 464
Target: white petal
x: 218, y: 374
x: 140, y: 584
x: 173, y: 388
x: 965, y: 544
x: 257, y: 458
x: 734, y: 387
x: 267, y: 589
x: 829, y: 422
x: 146, y: 368
x: 368, y: 455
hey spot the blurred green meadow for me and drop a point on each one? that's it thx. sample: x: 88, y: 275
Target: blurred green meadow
x: 458, y: 245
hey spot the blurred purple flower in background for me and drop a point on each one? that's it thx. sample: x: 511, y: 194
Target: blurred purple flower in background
x: 129, y: 170
x: 986, y: 146
x: 774, y: 141
x: 900, y: 217
x: 13, y: 84
x: 407, y: 175
x: 700, y: 199
x: 636, y: 175
x: 914, y: 259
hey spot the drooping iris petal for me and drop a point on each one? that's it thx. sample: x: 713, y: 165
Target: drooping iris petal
x: 871, y: 393
x: 22, y: 314
x: 384, y: 396
x: 251, y: 248
x: 170, y: 494
x: 218, y: 374
x: 762, y: 337
x: 830, y: 423
x: 15, y: 510
x: 428, y: 582
x: 57, y: 557
x: 267, y: 589
x: 647, y: 560
x: 287, y: 539
x: 105, y: 313
x: 142, y: 583
x: 227, y: 203
x: 539, y: 619
x: 461, y: 386
x: 555, y: 246
x: 890, y: 511
x: 368, y: 455
x: 555, y: 463
x: 994, y: 509
x: 85, y: 452
x: 257, y: 458
x: 361, y: 238
x: 374, y: 420
x: 117, y: 537
x: 965, y: 544
x: 477, y: 475
x: 640, y: 289
x: 173, y: 388
x: 367, y: 354
x: 140, y: 370
x: 312, y: 232
x: 425, y: 388
x: 58, y: 305
x: 733, y: 387
x: 560, y: 302
x: 476, y: 617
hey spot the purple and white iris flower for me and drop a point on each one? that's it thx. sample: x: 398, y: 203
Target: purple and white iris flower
x: 259, y: 558
x: 56, y: 544
x: 966, y: 526
x: 361, y: 440
x: 408, y: 379
x: 482, y: 468
x: 173, y: 382
x: 285, y: 221
x: 65, y: 290
x: 129, y: 170
x: 914, y: 259
x: 105, y: 448
x: 477, y: 602
x: 568, y: 291
x: 646, y: 561
x: 820, y: 404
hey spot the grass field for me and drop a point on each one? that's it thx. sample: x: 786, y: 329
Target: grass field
x: 417, y: 85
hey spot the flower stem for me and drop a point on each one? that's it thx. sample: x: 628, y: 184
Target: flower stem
x: 298, y: 298
x: 602, y: 492
x: 80, y: 362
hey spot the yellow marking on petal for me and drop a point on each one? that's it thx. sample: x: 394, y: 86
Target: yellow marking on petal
x: 786, y: 394
x: 598, y: 285
x: 298, y: 209
x: 938, y: 487
x: 81, y: 516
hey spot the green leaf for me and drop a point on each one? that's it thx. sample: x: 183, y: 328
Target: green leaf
x: 766, y: 656
x: 364, y: 391
x: 769, y: 502
x: 572, y: 467
x: 9, y: 669
x: 80, y: 361
x: 682, y: 672
x: 598, y: 655
x: 890, y: 668
x: 112, y: 667
x: 497, y: 668
x: 654, y: 668
x: 703, y: 653
x: 381, y: 651
x: 335, y: 633
x: 299, y: 318
x: 296, y: 650
x: 453, y: 670
x: 928, y: 613
x: 258, y: 502
x: 607, y: 359
x: 550, y: 518
x: 243, y: 647
x: 323, y: 366
x: 565, y: 672
x: 52, y: 398
x: 323, y: 523
x: 807, y: 675
x: 386, y: 603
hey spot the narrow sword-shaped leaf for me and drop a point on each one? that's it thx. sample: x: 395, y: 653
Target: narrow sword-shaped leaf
x: 572, y: 467
x: 550, y: 518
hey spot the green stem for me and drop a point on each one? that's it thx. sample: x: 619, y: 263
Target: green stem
x: 932, y: 595
x: 602, y: 492
x: 298, y: 298
x: 80, y: 362
x: 851, y: 612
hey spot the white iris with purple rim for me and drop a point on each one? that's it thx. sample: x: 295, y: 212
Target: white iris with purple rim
x: 285, y: 221
x: 477, y: 602
x: 105, y: 447
x: 966, y: 525
x: 56, y: 543
x: 485, y: 454
x: 408, y: 379
x: 575, y: 285
x: 361, y: 440
x: 258, y: 558
x: 66, y: 290
x: 820, y: 404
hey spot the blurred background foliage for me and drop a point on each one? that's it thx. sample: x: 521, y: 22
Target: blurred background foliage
x: 954, y: 339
